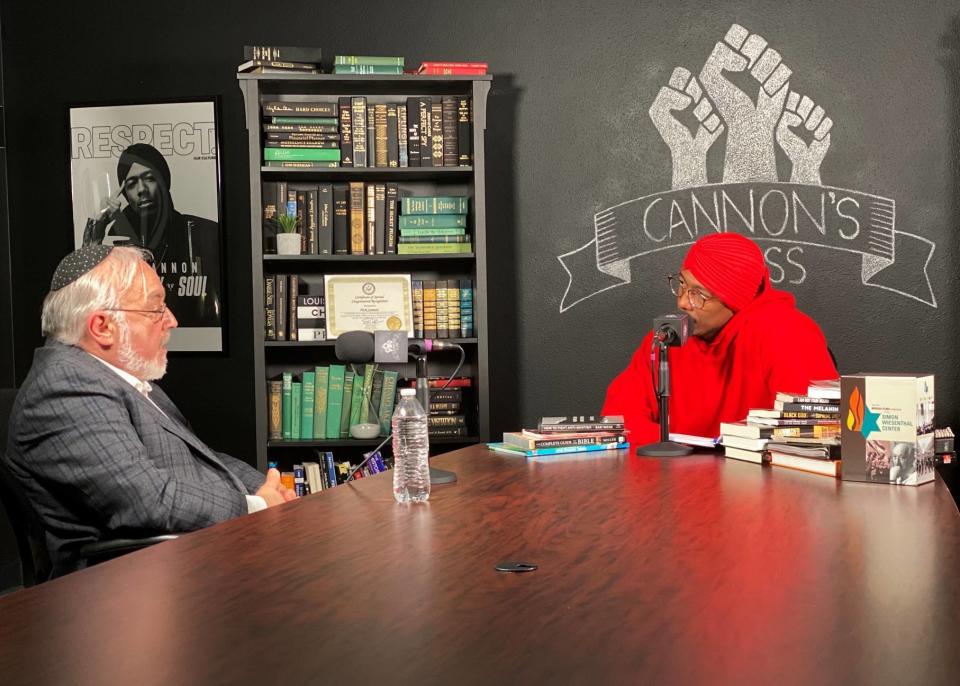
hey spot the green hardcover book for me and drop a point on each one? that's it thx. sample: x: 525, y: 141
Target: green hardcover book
x: 368, y: 373
x: 335, y: 399
x: 296, y: 409
x: 311, y: 121
x: 286, y: 405
x: 375, y: 390
x: 438, y: 204
x: 368, y: 59
x: 366, y: 69
x: 301, y: 164
x: 387, y: 399
x: 430, y: 221
x: 356, y: 400
x: 439, y: 231
x: 306, y: 405
x: 435, y: 239
x: 320, y: 403
x: 319, y: 154
x: 347, y: 403
x: 433, y: 248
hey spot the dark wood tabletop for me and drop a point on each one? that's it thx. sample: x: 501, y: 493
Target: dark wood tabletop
x: 693, y: 570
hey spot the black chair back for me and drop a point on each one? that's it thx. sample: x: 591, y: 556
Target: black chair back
x: 35, y: 565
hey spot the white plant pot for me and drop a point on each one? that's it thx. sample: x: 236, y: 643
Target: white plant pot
x: 288, y: 243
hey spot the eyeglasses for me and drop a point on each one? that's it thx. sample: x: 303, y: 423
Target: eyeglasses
x: 695, y: 296
x: 153, y: 315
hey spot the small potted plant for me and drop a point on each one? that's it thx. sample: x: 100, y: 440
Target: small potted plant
x: 288, y: 238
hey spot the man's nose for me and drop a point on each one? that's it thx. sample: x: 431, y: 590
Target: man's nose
x: 169, y: 320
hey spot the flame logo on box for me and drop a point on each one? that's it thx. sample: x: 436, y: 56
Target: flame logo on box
x: 855, y: 413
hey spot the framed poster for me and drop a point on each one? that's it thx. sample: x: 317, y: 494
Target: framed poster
x: 148, y: 175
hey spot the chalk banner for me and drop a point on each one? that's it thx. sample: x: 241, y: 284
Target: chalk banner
x: 786, y: 213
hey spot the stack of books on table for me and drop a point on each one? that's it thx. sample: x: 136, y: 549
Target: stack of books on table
x: 367, y: 64
x: 275, y: 59
x: 561, y: 435
x: 799, y: 432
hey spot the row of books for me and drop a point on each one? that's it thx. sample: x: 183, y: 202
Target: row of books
x: 324, y: 402
x: 423, y: 131
x: 313, y: 477
x: 360, y: 218
x: 267, y: 59
x: 798, y: 432
x: 295, y: 308
x: 562, y: 435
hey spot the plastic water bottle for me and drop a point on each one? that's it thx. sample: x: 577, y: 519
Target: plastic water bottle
x: 411, y: 450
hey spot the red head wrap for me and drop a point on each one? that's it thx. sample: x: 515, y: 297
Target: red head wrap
x: 730, y: 266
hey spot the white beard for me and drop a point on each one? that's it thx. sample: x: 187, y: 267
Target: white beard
x: 143, y: 369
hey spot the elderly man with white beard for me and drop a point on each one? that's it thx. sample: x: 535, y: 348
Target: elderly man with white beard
x: 99, y: 451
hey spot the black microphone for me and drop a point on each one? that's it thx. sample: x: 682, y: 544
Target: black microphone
x: 671, y: 329
x: 422, y: 346
x: 354, y: 346
x: 361, y: 346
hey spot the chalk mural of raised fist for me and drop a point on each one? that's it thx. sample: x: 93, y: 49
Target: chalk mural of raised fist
x: 750, y: 121
x: 688, y: 150
x: 806, y: 158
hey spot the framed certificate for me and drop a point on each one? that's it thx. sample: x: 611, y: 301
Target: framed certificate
x: 368, y: 302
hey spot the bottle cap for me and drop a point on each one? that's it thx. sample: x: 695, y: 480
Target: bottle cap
x: 405, y: 392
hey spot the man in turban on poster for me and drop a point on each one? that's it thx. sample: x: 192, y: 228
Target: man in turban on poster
x: 749, y: 341
x: 186, y: 249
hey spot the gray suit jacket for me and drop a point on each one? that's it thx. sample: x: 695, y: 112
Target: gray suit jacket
x: 98, y: 460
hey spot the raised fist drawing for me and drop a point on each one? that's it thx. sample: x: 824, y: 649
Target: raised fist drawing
x: 687, y: 150
x: 806, y: 158
x: 750, y: 125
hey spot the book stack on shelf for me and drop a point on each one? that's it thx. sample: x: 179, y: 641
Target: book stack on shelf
x: 561, y: 435
x: 274, y: 59
x: 433, y: 225
x: 442, y: 308
x: 367, y: 64
x: 356, y: 131
x: 301, y: 134
x: 324, y: 402
x: 799, y: 432
x: 325, y: 473
x: 295, y: 308
x: 452, y: 68
x: 447, y: 417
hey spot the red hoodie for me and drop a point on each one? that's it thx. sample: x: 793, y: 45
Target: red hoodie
x: 766, y: 347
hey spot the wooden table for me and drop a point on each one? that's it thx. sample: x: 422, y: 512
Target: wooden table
x: 695, y: 570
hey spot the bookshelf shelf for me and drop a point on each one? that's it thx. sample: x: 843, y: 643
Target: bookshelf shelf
x: 370, y: 173
x: 270, y: 357
x: 364, y: 443
x: 368, y: 258
x: 331, y: 344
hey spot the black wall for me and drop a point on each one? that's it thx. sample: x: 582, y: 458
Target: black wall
x: 569, y: 135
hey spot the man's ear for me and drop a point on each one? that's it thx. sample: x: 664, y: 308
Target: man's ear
x: 102, y: 329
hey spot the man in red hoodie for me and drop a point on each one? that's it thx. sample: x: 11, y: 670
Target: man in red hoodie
x: 749, y: 342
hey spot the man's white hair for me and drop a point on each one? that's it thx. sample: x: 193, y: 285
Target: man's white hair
x: 65, y: 311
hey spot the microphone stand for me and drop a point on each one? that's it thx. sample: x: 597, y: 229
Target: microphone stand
x: 437, y: 476
x: 664, y: 447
